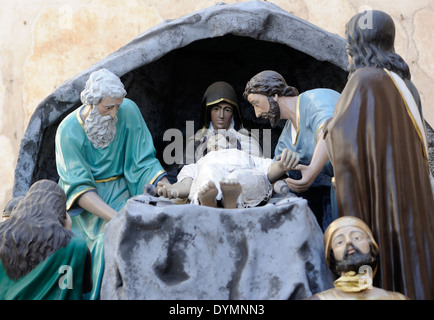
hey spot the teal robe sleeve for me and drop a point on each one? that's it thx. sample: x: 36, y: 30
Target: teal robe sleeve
x: 75, y: 174
x: 141, y: 167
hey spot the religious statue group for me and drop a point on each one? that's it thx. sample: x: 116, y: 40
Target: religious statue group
x: 358, y: 157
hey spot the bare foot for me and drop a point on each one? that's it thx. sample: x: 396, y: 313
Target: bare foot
x: 207, y: 195
x: 231, y: 189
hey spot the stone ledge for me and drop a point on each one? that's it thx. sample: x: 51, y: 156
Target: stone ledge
x: 155, y: 250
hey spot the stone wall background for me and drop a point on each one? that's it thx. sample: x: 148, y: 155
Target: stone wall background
x: 45, y: 42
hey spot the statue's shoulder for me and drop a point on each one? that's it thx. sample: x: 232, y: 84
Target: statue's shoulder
x: 381, y: 294
x: 72, y: 126
x: 129, y: 106
x: 129, y: 111
x: 368, y: 75
x: 330, y: 294
x: 128, y: 103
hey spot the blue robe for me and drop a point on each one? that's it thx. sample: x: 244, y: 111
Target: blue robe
x: 116, y: 173
x: 314, y: 108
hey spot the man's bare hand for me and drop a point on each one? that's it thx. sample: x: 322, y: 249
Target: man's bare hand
x: 288, y: 160
x: 284, y: 162
x: 164, y: 189
x: 305, y: 182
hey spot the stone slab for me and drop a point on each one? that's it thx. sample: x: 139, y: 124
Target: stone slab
x: 158, y: 250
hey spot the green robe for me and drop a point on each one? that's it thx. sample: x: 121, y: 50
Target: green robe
x: 49, y: 280
x: 116, y: 173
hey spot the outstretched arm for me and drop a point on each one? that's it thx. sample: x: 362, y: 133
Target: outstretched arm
x: 285, y: 162
x: 309, y: 173
x: 91, y: 201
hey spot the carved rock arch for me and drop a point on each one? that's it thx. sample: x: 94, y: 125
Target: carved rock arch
x: 167, y: 68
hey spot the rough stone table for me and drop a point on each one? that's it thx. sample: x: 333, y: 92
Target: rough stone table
x: 158, y: 250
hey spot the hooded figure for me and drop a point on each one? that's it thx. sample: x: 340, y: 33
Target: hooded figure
x: 352, y: 253
x: 36, y: 245
x: 220, y: 111
x: 216, y: 93
x: 347, y: 221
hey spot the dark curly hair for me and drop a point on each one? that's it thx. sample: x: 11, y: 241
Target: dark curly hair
x: 269, y: 83
x: 372, y: 44
x: 35, y: 230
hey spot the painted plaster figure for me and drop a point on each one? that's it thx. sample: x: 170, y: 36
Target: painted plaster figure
x: 377, y: 145
x: 104, y: 155
x: 9, y: 207
x: 351, y: 252
x: 36, y: 244
x: 306, y: 115
x: 220, y: 111
x: 229, y: 175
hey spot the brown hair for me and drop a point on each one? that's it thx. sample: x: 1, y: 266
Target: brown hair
x: 269, y: 83
x: 35, y: 230
x: 373, y: 45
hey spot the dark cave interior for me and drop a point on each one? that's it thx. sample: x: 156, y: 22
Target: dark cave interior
x: 169, y: 90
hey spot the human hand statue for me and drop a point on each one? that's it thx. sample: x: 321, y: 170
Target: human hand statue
x: 179, y: 189
x: 310, y: 172
x: 288, y: 160
x: 301, y: 185
x: 165, y: 190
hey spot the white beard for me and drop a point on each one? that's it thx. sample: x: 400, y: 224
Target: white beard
x: 100, y: 130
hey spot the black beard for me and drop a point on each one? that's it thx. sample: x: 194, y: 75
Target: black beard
x: 354, y: 261
x: 274, y: 112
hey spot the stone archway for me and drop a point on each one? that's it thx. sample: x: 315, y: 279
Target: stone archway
x: 167, y: 68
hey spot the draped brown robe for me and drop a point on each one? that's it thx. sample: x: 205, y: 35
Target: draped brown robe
x: 382, y: 176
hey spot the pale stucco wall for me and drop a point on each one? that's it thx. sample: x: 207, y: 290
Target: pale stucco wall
x: 45, y: 42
